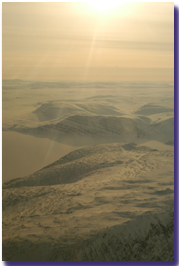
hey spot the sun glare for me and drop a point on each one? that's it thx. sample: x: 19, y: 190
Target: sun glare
x: 102, y: 6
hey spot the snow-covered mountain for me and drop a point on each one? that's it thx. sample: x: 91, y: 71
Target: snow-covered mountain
x: 52, y: 110
x: 80, y: 163
x: 89, y: 204
x: 150, y: 109
x: 84, y: 130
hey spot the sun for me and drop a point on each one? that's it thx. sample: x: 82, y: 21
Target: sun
x: 102, y: 6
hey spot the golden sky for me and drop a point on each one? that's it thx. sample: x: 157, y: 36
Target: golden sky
x: 80, y: 41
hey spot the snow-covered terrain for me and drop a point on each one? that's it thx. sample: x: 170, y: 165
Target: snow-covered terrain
x: 109, y: 195
x: 88, y: 193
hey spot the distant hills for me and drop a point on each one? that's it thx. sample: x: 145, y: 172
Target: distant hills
x: 95, y: 129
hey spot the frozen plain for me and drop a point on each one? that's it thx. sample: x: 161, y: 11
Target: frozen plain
x: 112, y: 180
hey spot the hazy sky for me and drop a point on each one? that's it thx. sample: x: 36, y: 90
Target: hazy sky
x: 78, y: 41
